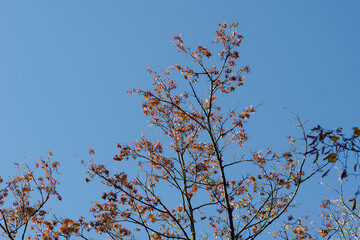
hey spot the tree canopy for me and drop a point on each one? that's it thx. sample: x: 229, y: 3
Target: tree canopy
x: 196, y: 182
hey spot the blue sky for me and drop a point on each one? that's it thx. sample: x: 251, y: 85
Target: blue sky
x: 65, y: 67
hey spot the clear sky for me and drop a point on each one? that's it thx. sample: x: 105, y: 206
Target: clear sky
x: 65, y: 67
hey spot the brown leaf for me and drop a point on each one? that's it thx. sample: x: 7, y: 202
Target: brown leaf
x: 326, y: 173
x: 354, y: 203
x: 344, y: 174
x: 331, y: 157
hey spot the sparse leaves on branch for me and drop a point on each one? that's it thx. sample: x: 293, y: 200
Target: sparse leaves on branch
x: 196, y: 168
x: 195, y: 181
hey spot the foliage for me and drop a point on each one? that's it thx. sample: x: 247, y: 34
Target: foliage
x: 188, y: 186
x: 19, y: 210
x: 340, y: 216
x: 198, y: 169
x: 335, y: 147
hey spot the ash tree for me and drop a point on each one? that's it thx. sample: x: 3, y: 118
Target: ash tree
x: 24, y: 199
x: 216, y: 189
x: 198, y: 182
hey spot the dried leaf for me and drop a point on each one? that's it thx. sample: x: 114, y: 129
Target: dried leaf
x: 334, y: 138
x: 343, y: 174
x: 356, y: 131
x: 331, y: 157
x: 354, y: 203
x: 326, y: 173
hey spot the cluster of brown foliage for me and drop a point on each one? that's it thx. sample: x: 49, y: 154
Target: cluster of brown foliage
x: 23, y: 198
x: 331, y: 144
x: 189, y: 187
x: 340, y: 217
